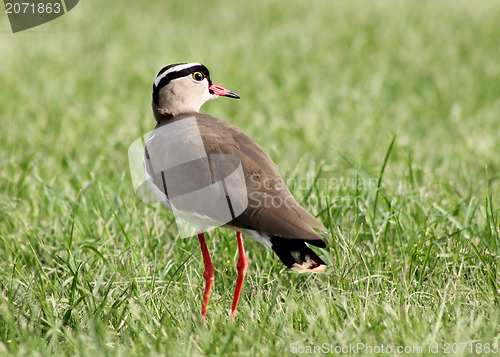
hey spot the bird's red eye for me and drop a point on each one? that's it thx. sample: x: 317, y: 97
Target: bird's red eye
x: 198, y: 76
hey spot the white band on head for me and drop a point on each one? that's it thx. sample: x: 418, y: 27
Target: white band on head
x: 174, y: 69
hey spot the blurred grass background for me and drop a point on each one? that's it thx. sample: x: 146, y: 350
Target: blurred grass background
x: 88, y: 269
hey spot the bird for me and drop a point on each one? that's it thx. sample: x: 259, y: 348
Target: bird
x: 190, y: 153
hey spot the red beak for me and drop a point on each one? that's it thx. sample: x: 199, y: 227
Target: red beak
x: 223, y: 92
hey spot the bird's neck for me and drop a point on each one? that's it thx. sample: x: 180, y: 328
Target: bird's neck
x: 162, y: 114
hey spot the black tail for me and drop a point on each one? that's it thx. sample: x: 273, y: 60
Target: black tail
x: 296, y: 255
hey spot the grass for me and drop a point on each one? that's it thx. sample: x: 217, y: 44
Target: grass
x: 382, y: 117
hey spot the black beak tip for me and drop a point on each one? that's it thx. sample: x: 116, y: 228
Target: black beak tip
x: 232, y: 95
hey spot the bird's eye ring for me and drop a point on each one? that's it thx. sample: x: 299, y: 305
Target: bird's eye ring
x: 198, y: 76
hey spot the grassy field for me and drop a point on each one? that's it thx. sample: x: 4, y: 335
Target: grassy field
x: 383, y: 117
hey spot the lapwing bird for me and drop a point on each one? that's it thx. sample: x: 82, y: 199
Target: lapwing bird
x: 210, y: 174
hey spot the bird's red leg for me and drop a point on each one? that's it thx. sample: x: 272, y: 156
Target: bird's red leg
x: 242, y: 271
x: 208, y: 275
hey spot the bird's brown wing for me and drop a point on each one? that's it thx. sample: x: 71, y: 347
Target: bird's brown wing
x: 271, y: 209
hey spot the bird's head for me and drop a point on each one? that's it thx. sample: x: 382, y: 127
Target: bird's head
x: 184, y: 88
